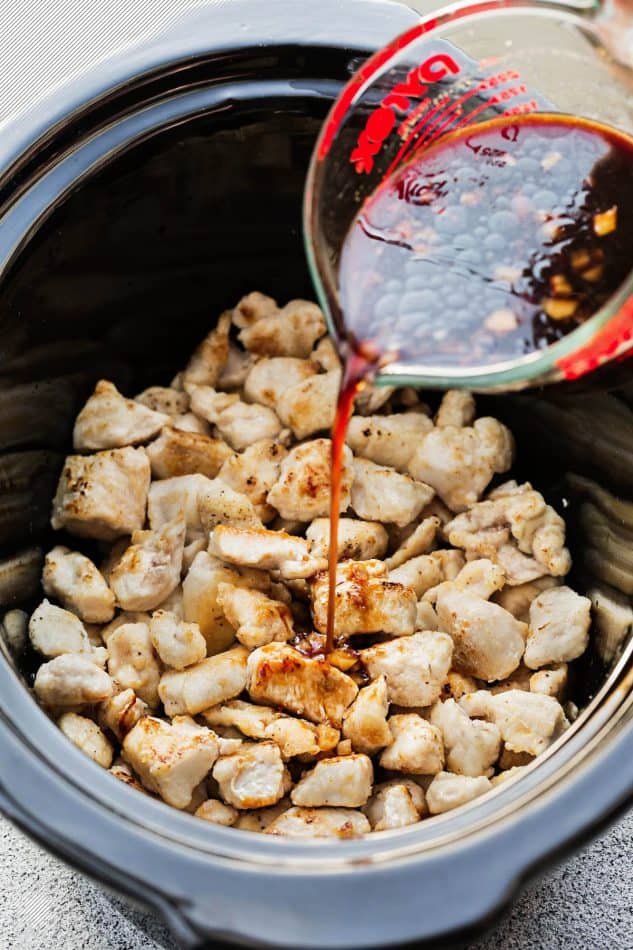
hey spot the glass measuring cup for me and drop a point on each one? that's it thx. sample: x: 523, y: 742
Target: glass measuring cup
x: 459, y: 66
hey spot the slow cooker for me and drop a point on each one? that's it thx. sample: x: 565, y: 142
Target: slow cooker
x: 136, y: 203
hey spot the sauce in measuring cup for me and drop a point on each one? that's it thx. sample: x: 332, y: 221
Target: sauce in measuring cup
x: 492, y: 244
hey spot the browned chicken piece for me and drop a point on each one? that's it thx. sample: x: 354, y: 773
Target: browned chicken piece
x: 71, y: 680
x: 73, y: 579
x: 360, y: 540
x: 236, y: 369
x: 209, y: 358
x: 252, y: 307
x: 293, y: 736
x: 269, y: 550
x: 303, y: 488
x: 281, y: 676
x: 325, y: 355
x: 268, y: 379
x: 171, y: 759
x: 102, y: 496
x: 200, y: 603
x: 253, y: 777
x: 428, y: 570
x: 528, y: 722
x: 87, y: 736
x: 309, y: 406
x: 388, y: 440
x: 171, y: 402
x: 472, y: 746
x: 291, y: 331
x: 420, y: 541
x: 448, y: 791
x: 425, y: 617
x: 174, y: 497
x: 217, y: 812
x: 149, y: 570
x: 259, y: 819
x: 132, y: 662
x: 319, y: 823
x: 414, y: 667
x: 382, y: 494
x: 459, y: 462
x: 176, y: 453
x: 254, y: 472
x: 550, y: 682
x: 559, y: 627
x: 239, y: 423
x: 121, y: 712
x: 178, y: 643
x: 218, y: 503
x: 122, y: 771
x: 395, y: 804
x: 257, y: 618
x: 205, y: 684
x: 516, y: 600
x: 110, y: 421
x: 54, y: 631
x: 365, y: 721
x: 457, y: 408
x: 416, y: 748
x: 339, y: 782
x: 365, y: 601
x: 481, y: 577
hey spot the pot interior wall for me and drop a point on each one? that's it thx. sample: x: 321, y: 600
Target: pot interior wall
x: 132, y: 270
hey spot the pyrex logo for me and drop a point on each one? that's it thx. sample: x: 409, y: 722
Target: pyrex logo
x: 396, y: 104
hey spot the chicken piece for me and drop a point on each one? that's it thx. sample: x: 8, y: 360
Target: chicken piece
x: 291, y: 331
x: 293, y: 736
x: 122, y: 618
x: 171, y: 759
x: 252, y: 308
x: 104, y: 495
x: 149, y: 570
x: 268, y: 379
x: 457, y: 408
x: 528, y: 722
x: 518, y: 530
x: 178, y: 643
x: 190, y: 422
x: 217, y: 812
x: 388, y: 440
x: 419, y: 542
x: 210, y: 356
x: 488, y: 641
x: 240, y: 423
x: 205, y: 684
x: 414, y: 667
x: 257, y: 619
x: 338, y: 782
x: 269, y: 550
x: 122, y: 771
x: 279, y: 675
x: 359, y: 540
x: 189, y: 554
x: 54, y: 631
x: 472, y: 746
x: 514, y: 772
x: 517, y: 600
x: 458, y: 463
x: 416, y: 748
x: 254, y: 777
x: 164, y: 399
x: 428, y: 570
x: 365, y: 722
x: 121, y: 712
x: 325, y: 356
x: 559, y: 627
x: 319, y: 823
x: 481, y: 578
x: 74, y: 580
x: 457, y: 685
x: 200, y: 600
x: 395, y: 804
x: 365, y: 601
x: 175, y: 453
x: 171, y: 498
x: 110, y: 421
x: 254, y: 472
x: 382, y: 494
x: 550, y: 682
x: 448, y: 791
x: 14, y: 631
x: 71, y: 680
x: 425, y: 617
x: 303, y: 488
x: 259, y: 819
x: 132, y: 662
x: 87, y: 736
x: 218, y: 503
x: 371, y: 398
x: 309, y: 406
x: 519, y: 679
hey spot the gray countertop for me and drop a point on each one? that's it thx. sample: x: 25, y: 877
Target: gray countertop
x: 584, y: 904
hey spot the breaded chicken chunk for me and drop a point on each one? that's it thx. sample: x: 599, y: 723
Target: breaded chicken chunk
x: 171, y: 759
x: 365, y: 721
x: 257, y: 618
x: 309, y: 406
x: 253, y: 777
x: 303, y: 488
x: 149, y: 570
x: 109, y: 421
x: 365, y: 601
x: 205, y: 684
x: 458, y: 463
x: 382, y: 494
x: 103, y: 495
x: 319, y: 823
x: 338, y: 782
x: 388, y: 440
x: 414, y: 667
x: 558, y: 628
x: 280, y: 675
x: 176, y: 453
x: 361, y: 540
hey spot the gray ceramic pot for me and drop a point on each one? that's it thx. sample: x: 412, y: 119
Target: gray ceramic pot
x: 135, y: 204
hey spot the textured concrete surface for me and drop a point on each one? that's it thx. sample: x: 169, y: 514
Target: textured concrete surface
x: 586, y: 904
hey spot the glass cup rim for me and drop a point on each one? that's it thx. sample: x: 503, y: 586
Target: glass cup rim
x: 509, y: 374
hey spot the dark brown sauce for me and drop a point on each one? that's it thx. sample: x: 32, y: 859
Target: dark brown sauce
x: 494, y: 243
